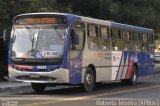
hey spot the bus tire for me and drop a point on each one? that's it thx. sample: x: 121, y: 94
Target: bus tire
x: 134, y: 76
x: 89, y: 80
x: 38, y: 87
x: 133, y: 79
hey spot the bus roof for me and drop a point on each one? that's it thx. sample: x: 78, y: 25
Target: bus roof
x: 95, y: 21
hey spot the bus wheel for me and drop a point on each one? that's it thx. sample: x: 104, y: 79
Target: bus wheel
x: 38, y: 87
x: 89, y: 80
x: 133, y: 78
x: 134, y: 75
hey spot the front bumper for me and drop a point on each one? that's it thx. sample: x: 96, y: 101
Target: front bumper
x: 56, y: 76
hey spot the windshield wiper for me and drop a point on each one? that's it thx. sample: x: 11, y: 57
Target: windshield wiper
x: 33, y: 36
x: 60, y: 36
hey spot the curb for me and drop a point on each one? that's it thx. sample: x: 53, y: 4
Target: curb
x: 14, y: 86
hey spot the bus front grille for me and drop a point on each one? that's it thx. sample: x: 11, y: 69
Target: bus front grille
x: 40, y: 78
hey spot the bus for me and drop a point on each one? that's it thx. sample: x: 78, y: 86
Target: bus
x: 67, y: 49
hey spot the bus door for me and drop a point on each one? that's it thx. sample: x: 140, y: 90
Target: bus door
x: 76, y: 54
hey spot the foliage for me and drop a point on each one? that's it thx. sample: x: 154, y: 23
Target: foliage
x: 144, y: 13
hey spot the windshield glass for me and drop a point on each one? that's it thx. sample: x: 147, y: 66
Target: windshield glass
x: 38, y: 42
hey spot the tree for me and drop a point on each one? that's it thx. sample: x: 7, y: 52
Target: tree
x: 4, y: 18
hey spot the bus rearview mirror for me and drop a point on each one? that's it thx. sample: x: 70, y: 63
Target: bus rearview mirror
x: 4, y: 35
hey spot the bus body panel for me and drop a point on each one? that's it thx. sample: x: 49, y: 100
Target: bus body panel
x: 101, y: 62
x: 146, y: 64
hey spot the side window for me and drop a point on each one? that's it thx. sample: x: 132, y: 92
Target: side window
x: 104, y: 43
x: 150, y: 38
x: 130, y: 35
x: 136, y: 36
x: 80, y: 35
x: 127, y: 40
x: 104, y: 32
x: 127, y: 35
x: 144, y: 42
x: 93, y: 31
x: 136, y: 41
x: 116, y: 33
x: 93, y: 40
x: 117, y: 42
x: 151, y: 42
x: 144, y: 37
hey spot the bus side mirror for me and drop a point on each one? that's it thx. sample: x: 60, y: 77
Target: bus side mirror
x: 74, y: 40
x: 4, y: 35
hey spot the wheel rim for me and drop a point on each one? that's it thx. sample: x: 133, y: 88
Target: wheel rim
x: 134, y: 76
x: 89, y: 79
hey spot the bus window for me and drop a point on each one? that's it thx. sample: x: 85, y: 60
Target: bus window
x: 93, y: 40
x: 80, y: 35
x: 151, y: 44
x: 136, y: 44
x: 92, y: 31
x: 104, y: 32
x: 144, y: 46
x: 130, y: 35
x: 144, y: 42
x: 119, y: 34
x: 135, y: 36
x: 150, y: 38
x: 117, y: 43
x: 125, y: 35
x: 144, y: 37
x: 115, y: 33
x: 104, y: 43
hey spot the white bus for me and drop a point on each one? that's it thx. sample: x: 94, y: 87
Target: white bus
x: 59, y: 48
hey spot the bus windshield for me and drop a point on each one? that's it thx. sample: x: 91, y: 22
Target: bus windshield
x: 38, y: 42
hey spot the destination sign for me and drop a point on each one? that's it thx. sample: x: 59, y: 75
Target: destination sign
x: 39, y: 20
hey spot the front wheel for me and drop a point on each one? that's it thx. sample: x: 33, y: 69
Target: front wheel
x: 38, y: 87
x: 89, y: 80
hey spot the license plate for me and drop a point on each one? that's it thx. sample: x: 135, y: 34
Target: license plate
x: 41, y: 67
x: 34, y: 76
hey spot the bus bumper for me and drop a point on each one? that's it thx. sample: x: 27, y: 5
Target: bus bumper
x: 57, y: 76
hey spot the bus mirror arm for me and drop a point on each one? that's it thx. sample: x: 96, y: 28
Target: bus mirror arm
x: 4, y: 35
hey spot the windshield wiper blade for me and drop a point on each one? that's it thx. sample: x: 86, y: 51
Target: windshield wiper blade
x: 58, y: 34
x: 32, y: 36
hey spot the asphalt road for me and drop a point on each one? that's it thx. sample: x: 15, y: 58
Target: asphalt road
x: 145, y: 93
